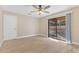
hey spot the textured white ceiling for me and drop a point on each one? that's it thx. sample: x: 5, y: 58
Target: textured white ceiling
x: 25, y: 9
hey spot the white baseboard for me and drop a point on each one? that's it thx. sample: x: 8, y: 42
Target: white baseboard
x: 44, y: 35
x: 23, y: 36
x: 27, y: 36
x: 75, y: 43
x: 18, y: 38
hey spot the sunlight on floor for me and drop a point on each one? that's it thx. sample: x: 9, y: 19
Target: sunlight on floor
x: 57, y: 40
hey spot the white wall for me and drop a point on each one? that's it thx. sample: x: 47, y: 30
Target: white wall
x: 27, y: 26
x: 75, y: 25
x: 1, y: 34
x: 44, y: 27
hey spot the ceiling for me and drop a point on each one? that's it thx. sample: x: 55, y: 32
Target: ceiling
x: 25, y: 9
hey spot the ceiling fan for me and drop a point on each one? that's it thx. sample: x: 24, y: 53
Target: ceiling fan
x: 40, y: 9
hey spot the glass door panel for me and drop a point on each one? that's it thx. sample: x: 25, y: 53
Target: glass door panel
x: 52, y: 24
x: 57, y: 28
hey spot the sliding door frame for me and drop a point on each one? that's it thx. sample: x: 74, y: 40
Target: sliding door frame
x: 68, y: 35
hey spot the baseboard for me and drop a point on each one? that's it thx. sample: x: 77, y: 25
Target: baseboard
x: 44, y: 35
x: 23, y: 36
x: 75, y: 43
x: 27, y: 36
x: 18, y: 38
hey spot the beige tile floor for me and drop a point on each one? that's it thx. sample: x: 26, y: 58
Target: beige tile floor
x: 37, y: 44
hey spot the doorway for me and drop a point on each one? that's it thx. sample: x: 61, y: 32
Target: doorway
x: 9, y: 26
x: 57, y: 28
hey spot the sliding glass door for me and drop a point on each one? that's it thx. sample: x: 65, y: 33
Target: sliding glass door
x: 52, y: 28
x: 57, y: 28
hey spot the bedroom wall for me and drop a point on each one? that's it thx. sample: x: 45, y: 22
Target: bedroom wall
x: 27, y: 26
x: 44, y: 27
x: 75, y: 25
x: 1, y: 34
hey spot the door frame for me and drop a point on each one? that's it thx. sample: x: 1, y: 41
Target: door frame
x: 56, y: 25
x: 70, y: 12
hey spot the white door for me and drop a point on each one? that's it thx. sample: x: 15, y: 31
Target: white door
x: 10, y: 28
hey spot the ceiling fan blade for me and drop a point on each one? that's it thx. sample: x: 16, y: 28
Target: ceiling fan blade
x: 47, y: 7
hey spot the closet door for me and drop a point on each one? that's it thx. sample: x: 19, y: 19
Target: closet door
x: 10, y: 28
